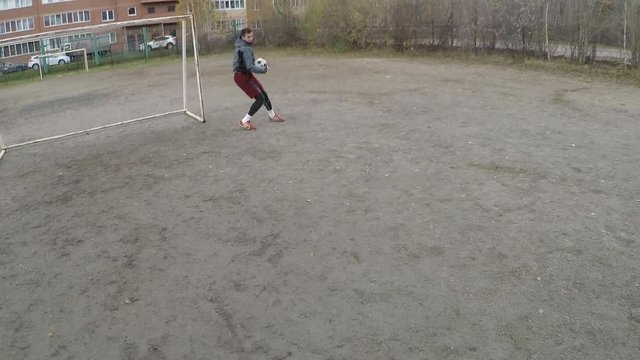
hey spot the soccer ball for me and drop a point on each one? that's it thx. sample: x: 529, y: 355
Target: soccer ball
x: 261, y: 63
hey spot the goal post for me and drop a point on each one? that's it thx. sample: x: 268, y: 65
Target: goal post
x: 84, y: 59
x: 183, y: 20
x: 2, y: 147
x: 196, y: 59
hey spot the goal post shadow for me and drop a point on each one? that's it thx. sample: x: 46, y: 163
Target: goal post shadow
x: 183, y: 18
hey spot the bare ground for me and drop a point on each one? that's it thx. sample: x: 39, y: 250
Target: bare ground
x: 406, y: 209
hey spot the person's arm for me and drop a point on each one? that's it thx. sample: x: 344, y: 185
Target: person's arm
x: 250, y: 62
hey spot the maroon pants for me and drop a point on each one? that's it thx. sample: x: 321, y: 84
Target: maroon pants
x: 248, y: 83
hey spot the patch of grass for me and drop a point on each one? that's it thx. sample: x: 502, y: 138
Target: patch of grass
x: 12, y: 79
x: 122, y: 61
x: 327, y: 52
x: 560, y: 96
x: 600, y: 72
x: 137, y: 60
x: 30, y: 75
x: 497, y: 168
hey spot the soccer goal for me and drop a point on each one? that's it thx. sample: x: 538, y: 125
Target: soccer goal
x: 139, y: 44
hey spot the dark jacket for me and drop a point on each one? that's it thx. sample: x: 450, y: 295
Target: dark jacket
x: 243, y: 59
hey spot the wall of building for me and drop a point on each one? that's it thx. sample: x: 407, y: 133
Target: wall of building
x: 45, y: 14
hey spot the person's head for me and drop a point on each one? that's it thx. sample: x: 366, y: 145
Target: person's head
x: 247, y: 35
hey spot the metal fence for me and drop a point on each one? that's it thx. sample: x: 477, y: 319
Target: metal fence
x: 66, y: 52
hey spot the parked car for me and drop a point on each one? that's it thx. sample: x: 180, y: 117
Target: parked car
x: 9, y: 67
x: 165, y: 41
x: 53, y: 59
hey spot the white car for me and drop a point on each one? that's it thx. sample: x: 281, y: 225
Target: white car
x: 53, y: 59
x: 165, y: 41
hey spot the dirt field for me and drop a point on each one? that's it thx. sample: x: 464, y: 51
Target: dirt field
x: 405, y: 210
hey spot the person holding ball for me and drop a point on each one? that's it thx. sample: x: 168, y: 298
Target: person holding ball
x: 244, y: 66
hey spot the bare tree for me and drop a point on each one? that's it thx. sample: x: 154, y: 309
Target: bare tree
x: 281, y: 23
x: 633, y: 23
x: 585, y: 21
x: 522, y: 27
x: 546, y: 30
x: 627, y: 16
x: 343, y: 24
x: 401, y: 23
x: 204, y: 16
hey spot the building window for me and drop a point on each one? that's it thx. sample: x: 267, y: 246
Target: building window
x: 228, y: 4
x: 67, y: 18
x: 54, y: 43
x: 67, y: 42
x: 171, y: 8
x: 31, y: 47
x: 151, y: 10
x: 16, y: 25
x: 290, y: 3
x: 132, y: 11
x: 231, y: 24
x: 14, y: 4
x: 112, y: 38
x: 108, y: 15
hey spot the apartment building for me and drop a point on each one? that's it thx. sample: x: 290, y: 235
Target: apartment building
x: 237, y: 14
x: 232, y: 14
x: 31, y: 17
x: 19, y: 18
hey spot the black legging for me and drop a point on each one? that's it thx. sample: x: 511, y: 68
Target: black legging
x: 261, y: 99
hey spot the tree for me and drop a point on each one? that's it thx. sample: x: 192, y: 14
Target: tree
x: 633, y: 23
x: 340, y: 24
x: 523, y: 27
x: 204, y: 17
x: 280, y: 23
x: 586, y: 20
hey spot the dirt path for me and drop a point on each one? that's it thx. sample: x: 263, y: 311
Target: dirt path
x: 405, y: 210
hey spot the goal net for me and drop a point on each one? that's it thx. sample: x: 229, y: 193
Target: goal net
x: 138, y: 70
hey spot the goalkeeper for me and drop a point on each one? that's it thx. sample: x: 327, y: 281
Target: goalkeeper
x: 243, y: 67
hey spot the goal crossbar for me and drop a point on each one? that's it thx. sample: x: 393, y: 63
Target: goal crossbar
x: 84, y: 58
x: 105, y: 26
x: 184, y: 110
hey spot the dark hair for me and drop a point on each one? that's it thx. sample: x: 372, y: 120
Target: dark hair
x: 245, y: 31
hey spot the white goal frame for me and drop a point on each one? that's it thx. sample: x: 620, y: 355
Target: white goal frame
x: 83, y: 51
x: 182, y: 18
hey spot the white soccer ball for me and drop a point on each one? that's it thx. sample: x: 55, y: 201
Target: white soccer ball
x: 261, y: 63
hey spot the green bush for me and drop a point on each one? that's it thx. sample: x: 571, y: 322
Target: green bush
x: 338, y: 24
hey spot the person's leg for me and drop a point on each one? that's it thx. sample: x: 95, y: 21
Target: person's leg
x: 253, y: 88
x: 247, y: 84
x: 257, y: 104
x: 267, y: 101
x: 273, y: 117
